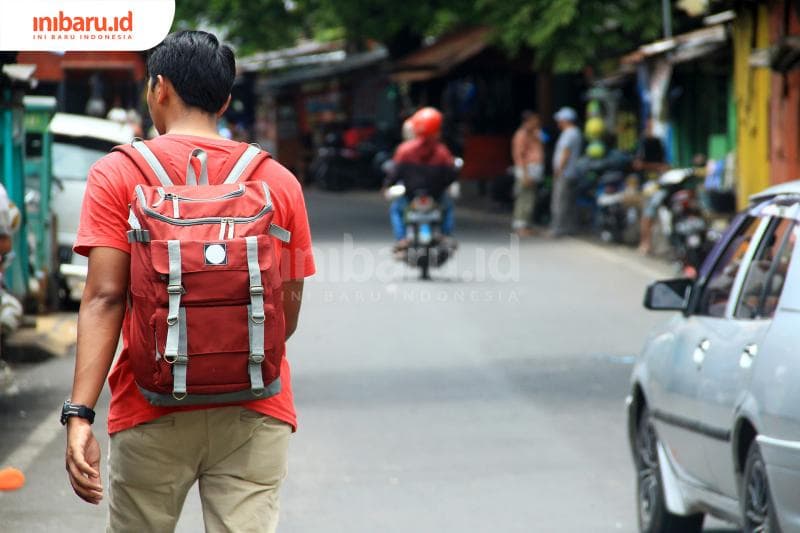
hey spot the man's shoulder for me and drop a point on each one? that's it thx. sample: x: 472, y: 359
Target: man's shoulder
x: 406, y: 149
x: 443, y: 151
x: 276, y: 175
x: 113, y: 169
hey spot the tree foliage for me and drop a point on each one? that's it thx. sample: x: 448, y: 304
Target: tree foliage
x: 251, y: 25
x: 570, y: 34
x: 565, y: 34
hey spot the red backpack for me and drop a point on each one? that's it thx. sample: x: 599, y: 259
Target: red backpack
x: 206, y: 319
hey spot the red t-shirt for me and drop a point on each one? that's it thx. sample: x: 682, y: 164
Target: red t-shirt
x: 104, y: 222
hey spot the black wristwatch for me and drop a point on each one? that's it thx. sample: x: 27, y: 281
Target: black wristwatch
x: 70, y: 409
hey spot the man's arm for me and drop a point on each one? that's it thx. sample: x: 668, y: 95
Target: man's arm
x: 99, y: 324
x: 516, y: 149
x: 292, y: 299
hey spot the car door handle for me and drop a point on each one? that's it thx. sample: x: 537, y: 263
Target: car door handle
x: 748, y: 354
x: 699, y: 354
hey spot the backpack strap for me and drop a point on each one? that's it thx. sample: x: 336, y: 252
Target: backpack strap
x: 256, y: 318
x: 191, y: 176
x: 244, y: 167
x: 145, y: 160
x: 176, y: 352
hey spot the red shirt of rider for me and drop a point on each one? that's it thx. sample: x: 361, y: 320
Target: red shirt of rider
x: 424, y: 164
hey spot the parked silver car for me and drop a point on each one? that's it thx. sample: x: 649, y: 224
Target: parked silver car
x: 714, y: 409
x: 78, y: 142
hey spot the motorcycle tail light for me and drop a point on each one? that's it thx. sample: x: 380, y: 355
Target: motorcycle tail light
x: 422, y: 203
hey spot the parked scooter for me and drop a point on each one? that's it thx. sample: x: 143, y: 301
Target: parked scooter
x: 589, y: 185
x: 618, y: 208
x: 682, y: 220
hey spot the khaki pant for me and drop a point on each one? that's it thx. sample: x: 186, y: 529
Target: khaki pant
x: 525, y: 195
x: 523, y: 208
x: 237, y: 456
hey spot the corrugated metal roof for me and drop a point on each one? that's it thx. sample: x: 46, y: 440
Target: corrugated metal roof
x: 682, y: 48
x: 439, y: 58
x: 348, y: 64
x: 307, y: 53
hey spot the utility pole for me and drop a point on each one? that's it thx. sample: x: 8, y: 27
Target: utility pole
x: 666, y: 15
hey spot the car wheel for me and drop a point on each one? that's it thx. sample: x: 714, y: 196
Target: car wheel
x: 653, y: 515
x: 758, y: 511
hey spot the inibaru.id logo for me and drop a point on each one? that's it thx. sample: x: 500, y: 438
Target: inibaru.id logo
x: 64, y: 26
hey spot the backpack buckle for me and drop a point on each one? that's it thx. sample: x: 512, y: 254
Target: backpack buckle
x: 257, y: 358
x: 175, y: 289
x: 256, y: 290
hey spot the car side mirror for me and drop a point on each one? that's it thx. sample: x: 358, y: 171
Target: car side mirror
x: 669, y: 295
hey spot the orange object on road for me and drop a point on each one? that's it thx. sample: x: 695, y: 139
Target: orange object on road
x: 11, y: 479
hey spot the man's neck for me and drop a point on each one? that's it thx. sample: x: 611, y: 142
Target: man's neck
x: 195, y: 124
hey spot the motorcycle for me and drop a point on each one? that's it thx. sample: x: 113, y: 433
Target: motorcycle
x: 618, y: 208
x: 427, y: 246
x: 682, y: 218
x: 338, y: 167
x: 589, y: 185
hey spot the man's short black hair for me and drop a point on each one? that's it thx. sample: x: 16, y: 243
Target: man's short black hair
x: 200, y: 68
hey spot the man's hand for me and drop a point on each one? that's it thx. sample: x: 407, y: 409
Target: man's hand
x: 99, y: 324
x: 83, y: 460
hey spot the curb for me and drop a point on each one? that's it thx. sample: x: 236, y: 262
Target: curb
x: 53, y: 336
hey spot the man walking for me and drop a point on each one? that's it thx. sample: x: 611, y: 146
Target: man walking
x: 565, y: 163
x: 236, y: 452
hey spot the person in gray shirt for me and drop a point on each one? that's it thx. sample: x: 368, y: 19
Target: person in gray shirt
x: 565, y: 172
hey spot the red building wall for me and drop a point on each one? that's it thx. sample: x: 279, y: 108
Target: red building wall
x: 784, y: 101
x: 51, y: 66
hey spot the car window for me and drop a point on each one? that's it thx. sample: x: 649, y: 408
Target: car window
x: 717, y: 290
x: 767, y: 272
x: 72, y: 161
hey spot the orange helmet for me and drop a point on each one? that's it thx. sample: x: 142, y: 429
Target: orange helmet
x: 427, y: 122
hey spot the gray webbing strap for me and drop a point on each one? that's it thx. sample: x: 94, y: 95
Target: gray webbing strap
x: 181, y: 363
x: 256, y: 359
x: 257, y: 317
x: 138, y: 235
x: 133, y: 222
x: 267, y: 195
x: 191, y: 176
x: 172, y: 352
x: 153, y: 162
x: 242, y: 163
x: 282, y: 234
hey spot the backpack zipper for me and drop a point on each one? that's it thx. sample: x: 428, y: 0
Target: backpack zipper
x: 172, y: 196
x: 229, y: 224
x: 198, y: 221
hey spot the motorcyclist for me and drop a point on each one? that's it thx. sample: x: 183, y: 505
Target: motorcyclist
x: 422, y: 164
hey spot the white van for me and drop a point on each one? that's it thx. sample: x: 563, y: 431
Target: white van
x: 78, y: 141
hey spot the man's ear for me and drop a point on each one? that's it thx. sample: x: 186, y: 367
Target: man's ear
x: 162, y: 89
x: 224, y: 107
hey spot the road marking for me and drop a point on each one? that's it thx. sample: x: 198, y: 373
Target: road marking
x: 26, y: 453
x: 621, y: 259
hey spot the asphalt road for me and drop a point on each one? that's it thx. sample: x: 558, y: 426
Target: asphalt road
x: 488, y: 400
